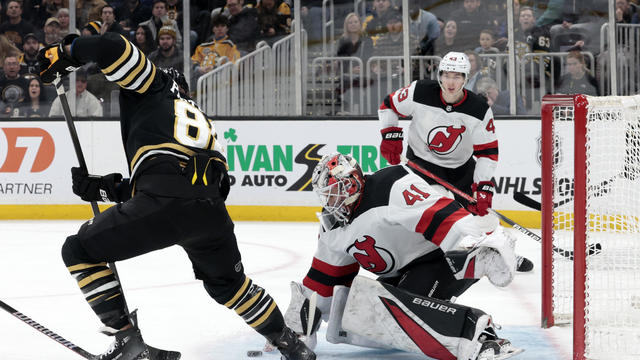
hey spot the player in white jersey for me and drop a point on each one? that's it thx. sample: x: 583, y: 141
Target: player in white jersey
x: 393, y: 224
x: 450, y: 127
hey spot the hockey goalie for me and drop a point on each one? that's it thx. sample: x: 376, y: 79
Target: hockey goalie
x: 396, y: 226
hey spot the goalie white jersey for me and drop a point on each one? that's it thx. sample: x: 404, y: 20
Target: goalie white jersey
x: 444, y: 134
x: 399, y: 219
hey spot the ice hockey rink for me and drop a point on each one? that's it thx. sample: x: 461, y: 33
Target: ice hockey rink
x: 176, y: 313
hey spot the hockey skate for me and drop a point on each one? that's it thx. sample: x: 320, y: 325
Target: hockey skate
x: 497, y: 349
x: 128, y: 345
x: 290, y: 346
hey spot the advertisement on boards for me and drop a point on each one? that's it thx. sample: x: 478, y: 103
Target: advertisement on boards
x: 270, y: 161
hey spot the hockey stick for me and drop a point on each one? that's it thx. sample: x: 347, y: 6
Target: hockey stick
x: 34, y: 324
x: 526, y: 201
x: 593, y: 249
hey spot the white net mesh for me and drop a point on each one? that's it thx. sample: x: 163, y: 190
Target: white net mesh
x: 612, y: 295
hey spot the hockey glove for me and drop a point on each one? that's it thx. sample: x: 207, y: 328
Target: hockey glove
x: 483, y: 193
x: 391, y: 146
x: 99, y: 188
x: 55, y: 60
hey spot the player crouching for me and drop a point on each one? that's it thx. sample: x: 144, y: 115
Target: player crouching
x: 393, y: 224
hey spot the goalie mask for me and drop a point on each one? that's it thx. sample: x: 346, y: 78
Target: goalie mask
x: 338, y: 181
x: 455, y: 62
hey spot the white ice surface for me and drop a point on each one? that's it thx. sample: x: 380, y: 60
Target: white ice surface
x: 176, y: 313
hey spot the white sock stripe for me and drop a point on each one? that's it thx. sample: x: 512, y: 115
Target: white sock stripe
x: 260, y: 312
x: 104, y: 287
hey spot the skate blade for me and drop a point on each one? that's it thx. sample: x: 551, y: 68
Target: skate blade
x: 510, y: 353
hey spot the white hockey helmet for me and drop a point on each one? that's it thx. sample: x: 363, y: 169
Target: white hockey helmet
x: 338, y: 181
x: 455, y: 62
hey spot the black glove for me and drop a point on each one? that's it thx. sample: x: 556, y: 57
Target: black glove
x: 55, y: 60
x: 96, y: 188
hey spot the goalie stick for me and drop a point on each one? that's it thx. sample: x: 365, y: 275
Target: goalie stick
x: 593, y: 249
x: 155, y: 353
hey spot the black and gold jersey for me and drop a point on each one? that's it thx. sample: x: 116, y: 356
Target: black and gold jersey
x: 155, y: 118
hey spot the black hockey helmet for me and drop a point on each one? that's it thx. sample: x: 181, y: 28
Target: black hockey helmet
x: 179, y: 78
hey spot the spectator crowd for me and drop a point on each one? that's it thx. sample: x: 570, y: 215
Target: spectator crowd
x: 223, y: 31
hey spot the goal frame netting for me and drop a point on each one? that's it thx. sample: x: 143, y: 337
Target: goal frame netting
x: 580, y: 221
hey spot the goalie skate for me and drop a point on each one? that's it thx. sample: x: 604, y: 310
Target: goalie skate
x: 498, y: 349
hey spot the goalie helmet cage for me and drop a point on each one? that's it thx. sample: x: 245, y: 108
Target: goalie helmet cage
x: 590, y: 149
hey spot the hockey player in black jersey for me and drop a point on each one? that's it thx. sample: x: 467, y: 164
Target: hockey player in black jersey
x: 175, y: 194
x: 452, y: 134
x: 393, y: 224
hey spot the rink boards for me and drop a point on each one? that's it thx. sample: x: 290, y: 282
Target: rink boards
x: 270, y: 164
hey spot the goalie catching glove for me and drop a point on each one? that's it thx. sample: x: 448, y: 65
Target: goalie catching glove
x: 483, y: 193
x: 55, y: 61
x: 99, y: 188
x: 391, y: 146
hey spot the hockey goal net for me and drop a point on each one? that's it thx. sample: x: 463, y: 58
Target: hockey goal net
x: 591, y: 200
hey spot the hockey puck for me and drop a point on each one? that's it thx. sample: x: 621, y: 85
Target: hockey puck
x: 254, y: 353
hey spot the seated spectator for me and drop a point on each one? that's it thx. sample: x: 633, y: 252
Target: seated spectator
x: 499, y: 101
x: 447, y: 42
x: 88, y: 10
x: 63, y: 19
x: 16, y: 28
x: 36, y: 105
x: 476, y: 71
x: 160, y: 19
x: 627, y: 13
x: 391, y: 43
x: 470, y: 20
x: 167, y: 53
x: 577, y: 80
x: 375, y: 24
x: 87, y: 105
x: 209, y: 55
x: 144, y: 40
x: 424, y: 25
x: 243, y: 26
x: 109, y: 23
x: 13, y: 87
x: 29, y: 60
x: 353, y: 41
x: 52, y: 31
x: 274, y: 17
x: 131, y: 13
x: 486, y: 40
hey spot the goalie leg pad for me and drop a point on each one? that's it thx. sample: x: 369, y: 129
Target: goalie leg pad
x: 413, y: 323
x: 297, y: 315
x: 336, y: 334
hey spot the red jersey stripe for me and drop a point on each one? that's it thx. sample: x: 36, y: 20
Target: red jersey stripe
x: 323, y: 290
x: 491, y: 145
x: 446, y: 225
x: 427, y: 215
x: 332, y: 270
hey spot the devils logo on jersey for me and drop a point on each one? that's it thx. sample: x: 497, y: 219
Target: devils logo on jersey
x: 443, y: 140
x: 371, y: 257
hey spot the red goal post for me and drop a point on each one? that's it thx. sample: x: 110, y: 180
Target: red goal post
x: 590, y: 148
